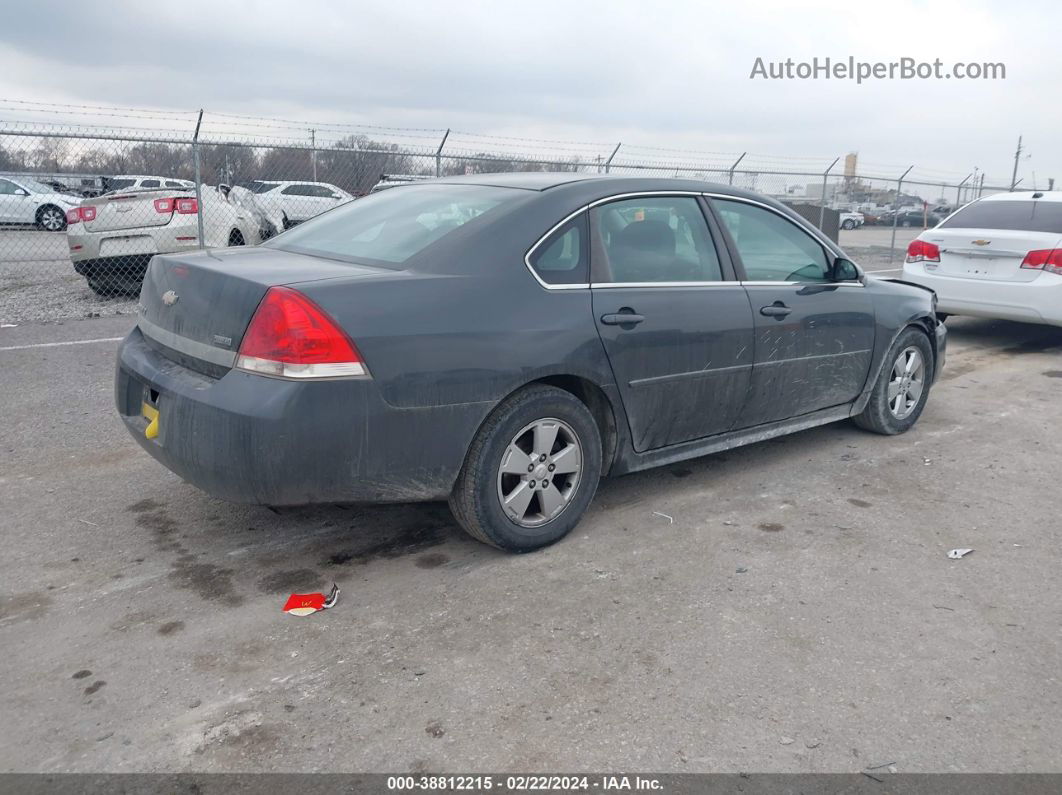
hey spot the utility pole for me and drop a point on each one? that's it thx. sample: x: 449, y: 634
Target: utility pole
x: 1014, y: 176
x: 313, y: 153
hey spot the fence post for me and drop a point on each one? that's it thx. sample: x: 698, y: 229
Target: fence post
x: 313, y: 153
x: 198, y: 180
x: 958, y: 191
x: 608, y: 163
x: 896, y: 212
x: 438, y: 153
x: 822, y: 205
x: 730, y: 174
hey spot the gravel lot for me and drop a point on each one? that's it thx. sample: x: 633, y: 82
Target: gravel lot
x: 38, y: 283
x: 799, y: 614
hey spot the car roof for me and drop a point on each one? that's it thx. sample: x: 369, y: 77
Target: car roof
x: 1025, y: 195
x: 527, y: 180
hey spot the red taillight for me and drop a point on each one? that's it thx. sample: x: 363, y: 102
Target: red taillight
x: 291, y: 337
x: 187, y: 206
x: 921, y: 251
x: 1044, y: 259
x: 80, y: 214
x: 164, y: 205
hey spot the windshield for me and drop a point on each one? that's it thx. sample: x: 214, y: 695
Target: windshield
x: 389, y: 227
x: 1026, y: 216
x: 260, y: 187
x: 36, y: 187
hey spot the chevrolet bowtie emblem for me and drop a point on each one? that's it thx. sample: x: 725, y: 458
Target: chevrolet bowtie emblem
x: 981, y: 242
x: 169, y: 298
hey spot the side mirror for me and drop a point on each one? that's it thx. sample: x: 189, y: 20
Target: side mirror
x: 845, y: 270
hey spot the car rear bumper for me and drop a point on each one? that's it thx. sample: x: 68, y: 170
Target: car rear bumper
x: 249, y: 438
x: 1036, y: 301
x: 137, y: 242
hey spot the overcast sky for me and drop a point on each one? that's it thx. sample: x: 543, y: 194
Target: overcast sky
x: 660, y: 74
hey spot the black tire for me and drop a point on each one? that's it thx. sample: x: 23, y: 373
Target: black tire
x: 104, y: 288
x: 849, y: 224
x: 236, y: 238
x: 51, y: 218
x: 942, y: 316
x: 878, y: 416
x: 476, y: 502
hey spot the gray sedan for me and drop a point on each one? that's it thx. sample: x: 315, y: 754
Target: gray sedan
x: 504, y: 341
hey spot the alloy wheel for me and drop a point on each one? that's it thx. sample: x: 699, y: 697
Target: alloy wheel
x: 907, y: 382
x: 539, y: 472
x: 52, y: 219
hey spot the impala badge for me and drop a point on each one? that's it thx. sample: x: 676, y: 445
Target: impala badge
x: 169, y: 298
x: 980, y: 242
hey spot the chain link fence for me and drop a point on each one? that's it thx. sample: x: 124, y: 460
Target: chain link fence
x: 84, y: 206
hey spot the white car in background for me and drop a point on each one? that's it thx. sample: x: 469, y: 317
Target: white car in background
x: 295, y: 202
x: 997, y: 257
x: 850, y: 220
x: 113, y: 237
x: 141, y: 182
x: 26, y: 201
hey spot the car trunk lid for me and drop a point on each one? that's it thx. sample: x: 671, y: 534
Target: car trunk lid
x: 134, y: 210
x: 194, y: 308
x: 989, y: 254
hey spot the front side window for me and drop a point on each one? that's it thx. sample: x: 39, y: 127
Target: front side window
x: 564, y: 256
x: 772, y: 248
x: 389, y: 227
x: 657, y: 239
x: 298, y: 190
x: 8, y: 188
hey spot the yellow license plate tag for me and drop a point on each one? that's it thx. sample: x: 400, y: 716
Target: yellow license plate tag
x: 151, y: 414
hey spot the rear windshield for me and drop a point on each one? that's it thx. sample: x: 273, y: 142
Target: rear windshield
x: 117, y: 184
x: 389, y: 227
x: 1027, y: 216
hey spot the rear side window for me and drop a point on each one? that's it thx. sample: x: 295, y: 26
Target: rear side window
x: 389, y: 227
x: 298, y: 190
x: 1026, y: 216
x: 150, y: 183
x: 772, y: 248
x: 657, y: 239
x: 172, y: 184
x: 564, y: 256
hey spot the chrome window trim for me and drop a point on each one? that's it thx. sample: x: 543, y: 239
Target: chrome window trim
x: 801, y: 284
x: 622, y: 285
x: 198, y: 350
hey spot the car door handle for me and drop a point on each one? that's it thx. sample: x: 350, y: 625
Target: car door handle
x: 622, y: 319
x: 777, y: 309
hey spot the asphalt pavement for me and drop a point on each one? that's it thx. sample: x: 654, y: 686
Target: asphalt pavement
x: 788, y: 606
